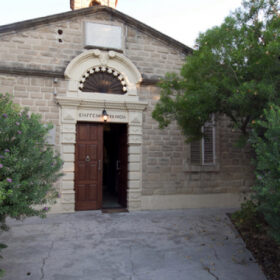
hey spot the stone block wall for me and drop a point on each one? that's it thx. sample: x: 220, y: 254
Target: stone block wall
x: 36, y: 93
x: 151, y: 56
x: 166, y: 159
x: 42, y: 47
x: 166, y: 169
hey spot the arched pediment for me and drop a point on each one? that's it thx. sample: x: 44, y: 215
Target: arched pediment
x: 85, y: 64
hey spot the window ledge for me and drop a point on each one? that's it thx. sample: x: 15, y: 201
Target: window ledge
x: 201, y: 168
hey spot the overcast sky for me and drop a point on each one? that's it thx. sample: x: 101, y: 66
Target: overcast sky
x: 180, y: 19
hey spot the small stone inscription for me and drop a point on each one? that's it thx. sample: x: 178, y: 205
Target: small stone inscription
x: 120, y: 117
x: 89, y: 115
x: 93, y: 116
x: 113, y: 117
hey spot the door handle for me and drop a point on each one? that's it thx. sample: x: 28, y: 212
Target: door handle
x: 99, y: 165
x: 87, y: 158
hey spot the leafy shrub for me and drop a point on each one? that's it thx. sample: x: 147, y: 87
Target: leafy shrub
x: 265, y: 140
x: 28, y: 167
x: 2, y: 246
x: 248, y: 216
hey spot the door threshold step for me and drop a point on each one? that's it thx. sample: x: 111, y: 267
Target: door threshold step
x: 114, y: 210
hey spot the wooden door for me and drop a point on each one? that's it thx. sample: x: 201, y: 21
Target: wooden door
x: 88, y: 166
x: 122, y: 166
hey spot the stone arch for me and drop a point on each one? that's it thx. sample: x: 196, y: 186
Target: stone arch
x: 90, y: 59
x: 79, y: 106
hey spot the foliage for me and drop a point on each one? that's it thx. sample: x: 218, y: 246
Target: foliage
x: 234, y: 70
x: 28, y: 167
x: 248, y: 216
x: 2, y: 246
x: 265, y: 140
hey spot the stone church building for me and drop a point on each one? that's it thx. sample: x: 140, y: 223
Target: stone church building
x: 93, y: 73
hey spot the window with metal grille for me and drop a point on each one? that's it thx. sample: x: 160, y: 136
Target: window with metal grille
x: 103, y: 80
x: 203, y: 151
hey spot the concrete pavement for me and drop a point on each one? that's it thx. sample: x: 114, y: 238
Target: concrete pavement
x: 193, y: 244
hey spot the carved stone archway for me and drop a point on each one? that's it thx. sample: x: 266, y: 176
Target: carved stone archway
x: 78, y: 105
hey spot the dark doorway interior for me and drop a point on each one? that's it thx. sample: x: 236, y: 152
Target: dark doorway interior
x: 115, y: 166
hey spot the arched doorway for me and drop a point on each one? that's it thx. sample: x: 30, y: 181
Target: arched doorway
x: 98, y: 80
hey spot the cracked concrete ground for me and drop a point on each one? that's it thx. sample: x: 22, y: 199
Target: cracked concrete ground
x: 193, y: 244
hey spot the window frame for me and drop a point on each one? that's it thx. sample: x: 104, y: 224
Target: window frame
x: 198, y: 167
x: 199, y: 146
x: 211, y: 124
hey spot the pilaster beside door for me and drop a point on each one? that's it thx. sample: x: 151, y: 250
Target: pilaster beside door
x: 122, y: 166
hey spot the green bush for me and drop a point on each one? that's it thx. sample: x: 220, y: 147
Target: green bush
x: 2, y: 246
x: 248, y: 216
x: 28, y: 166
x: 265, y: 140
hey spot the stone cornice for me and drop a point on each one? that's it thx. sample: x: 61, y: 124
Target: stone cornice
x: 90, y: 103
x: 150, y: 82
x: 30, y: 72
x: 53, y: 74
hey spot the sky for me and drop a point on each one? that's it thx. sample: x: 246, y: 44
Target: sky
x: 182, y: 20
